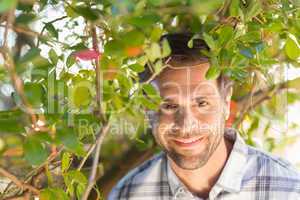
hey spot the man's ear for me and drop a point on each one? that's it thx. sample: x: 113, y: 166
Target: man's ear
x: 227, y: 101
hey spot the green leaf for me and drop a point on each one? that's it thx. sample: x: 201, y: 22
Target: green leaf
x: 114, y: 48
x: 117, y: 102
x: 239, y: 74
x: 25, y: 18
x: 210, y: 41
x: 35, y: 152
x: 144, y: 21
x: 148, y: 103
x: 87, y: 12
x: 71, y: 12
x: 75, y: 182
x: 253, y: 9
x: 234, y: 8
x: 78, y: 47
x: 126, y: 84
x: 190, y: 43
x: 247, y: 53
x: 5, y: 5
x: 149, y: 89
x: 213, y: 72
x: 34, y: 93
x: 53, y: 56
x: 11, y: 121
x: 30, y: 55
x: 153, y: 52
x: 295, y: 84
x: 41, y: 62
x: 166, y: 50
x: 137, y: 67
x: 70, y: 61
x: 51, y: 29
x: 25, y: 6
x: 225, y: 36
x: 292, y: 47
x: 69, y: 139
x: 65, y: 161
x: 133, y: 38
x: 81, y: 96
x: 53, y: 193
x: 205, y: 7
x: 251, y: 37
x: 156, y: 33
x: 43, y: 137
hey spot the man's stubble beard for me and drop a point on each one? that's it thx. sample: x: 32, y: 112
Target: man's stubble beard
x: 196, y: 161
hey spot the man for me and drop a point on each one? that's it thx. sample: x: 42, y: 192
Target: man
x: 201, y: 159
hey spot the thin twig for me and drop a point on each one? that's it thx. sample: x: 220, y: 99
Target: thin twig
x: 32, y: 33
x: 24, y: 196
x: 246, y: 104
x: 50, y: 22
x: 6, y: 29
x: 19, y: 29
x: 17, y: 83
x: 18, y: 183
x: 98, y: 81
x: 91, y: 149
x: 39, y: 169
x: 256, y: 98
x: 92, y: 178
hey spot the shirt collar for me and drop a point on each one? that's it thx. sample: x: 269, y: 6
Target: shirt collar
x: 234, y: 167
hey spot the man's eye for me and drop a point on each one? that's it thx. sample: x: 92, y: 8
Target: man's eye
x: 169, y: 106
x: 202, y: 103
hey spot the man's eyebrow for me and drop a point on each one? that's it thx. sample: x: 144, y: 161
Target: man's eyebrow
x: 167, y: 99
x: 198, y: 98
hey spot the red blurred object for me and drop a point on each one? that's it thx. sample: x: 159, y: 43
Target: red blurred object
x: 87, y: 54
x: 232, y: 116
x: 133, y: 51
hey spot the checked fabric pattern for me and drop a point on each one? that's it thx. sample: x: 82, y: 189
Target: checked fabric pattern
x: 249, y: 174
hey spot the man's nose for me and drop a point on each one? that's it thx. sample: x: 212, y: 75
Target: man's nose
x: 186, y: 121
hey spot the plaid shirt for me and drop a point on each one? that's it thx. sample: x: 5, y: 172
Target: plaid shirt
x: 249, y: 174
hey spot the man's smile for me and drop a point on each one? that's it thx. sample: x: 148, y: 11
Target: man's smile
x: 188, y: 142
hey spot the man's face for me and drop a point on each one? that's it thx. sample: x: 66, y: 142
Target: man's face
x: 190, y: 122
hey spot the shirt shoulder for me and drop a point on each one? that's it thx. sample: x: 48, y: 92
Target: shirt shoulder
x: 266, y: 169
x: 276, y: 164
x: 147, y: 175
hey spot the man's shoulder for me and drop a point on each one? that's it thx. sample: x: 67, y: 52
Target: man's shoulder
x: 147, y: 174
x: 275, y: 163
x: 263, y: 167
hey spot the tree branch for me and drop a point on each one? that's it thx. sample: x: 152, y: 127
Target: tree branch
x: 10, y: 66
x: 252, y: 100
x: 19, y: 183
x: 130, y: 159
x: 17, y: 82
x: 19, y: 29
x: 92, y: 178
x: 98, y: 81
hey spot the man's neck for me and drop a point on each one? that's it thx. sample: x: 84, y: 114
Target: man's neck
x: 200, y: 181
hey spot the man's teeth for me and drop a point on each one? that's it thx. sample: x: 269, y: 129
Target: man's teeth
x: 188, y: 140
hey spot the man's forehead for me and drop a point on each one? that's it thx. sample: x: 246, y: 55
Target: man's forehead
x: 184, y: 75
x: 175, y: 80
x: 190, y: 91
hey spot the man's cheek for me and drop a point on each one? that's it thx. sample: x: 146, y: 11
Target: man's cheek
x: 160, y: 134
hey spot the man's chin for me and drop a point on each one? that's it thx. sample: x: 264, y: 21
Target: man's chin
x: 188, y: 162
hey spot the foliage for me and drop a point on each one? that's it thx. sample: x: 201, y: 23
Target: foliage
x: 76, y: 71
